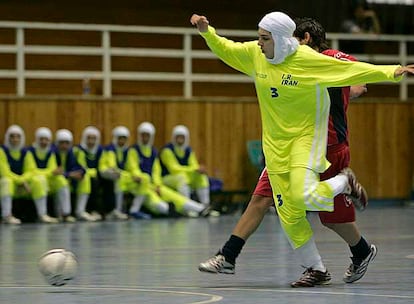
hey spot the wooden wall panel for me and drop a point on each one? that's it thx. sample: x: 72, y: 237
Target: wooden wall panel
x: 381, y: 133
x: 381, y: 147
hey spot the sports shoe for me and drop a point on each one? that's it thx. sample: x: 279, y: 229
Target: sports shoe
x: 11, y: 220
x: 356, y: 272
x: 217, y: 264
x: 355, y: 192
x: 209, y: 211
x: 85, y: 216
x: 140, y: 215
x: 117, y: 215
x: 68, y: 219
x: 311, y: 278
x: 97, y: 216
x: 46, y: 219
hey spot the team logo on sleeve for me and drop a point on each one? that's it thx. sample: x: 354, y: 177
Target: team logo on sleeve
x: 288, y: 80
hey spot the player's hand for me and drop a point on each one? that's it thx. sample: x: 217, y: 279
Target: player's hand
x: 26, y: 187
x: 115, y: 174
x: 158, y: 190
x: 405, y: 69
x: 200, y: 22
x: 202, y: 170
x: 58, y: 171
x: 137, y: 179
x: 76, y: 175
x: 356, y: 91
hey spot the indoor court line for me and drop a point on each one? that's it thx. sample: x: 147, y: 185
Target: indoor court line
x: 213, y: 298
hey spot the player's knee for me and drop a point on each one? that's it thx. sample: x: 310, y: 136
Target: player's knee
x: 328, y: 225
x: 297, y: 198
x: 261, y: 202
x: 5, y: 183
x: 162, y: 207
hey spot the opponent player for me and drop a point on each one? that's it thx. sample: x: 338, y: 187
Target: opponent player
x: 342, y: 220
x: 291, y: 83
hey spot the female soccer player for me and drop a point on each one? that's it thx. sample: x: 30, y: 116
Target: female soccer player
x: 291, y: 84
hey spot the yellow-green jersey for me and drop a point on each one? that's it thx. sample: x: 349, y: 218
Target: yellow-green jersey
x: 293, y: 98
x: 18, y: 165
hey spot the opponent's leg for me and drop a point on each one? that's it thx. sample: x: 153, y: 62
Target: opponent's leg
x: 342, y: 221
x: 224, y: 261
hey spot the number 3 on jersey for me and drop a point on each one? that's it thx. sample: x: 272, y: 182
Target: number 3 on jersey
x: 279, y: 199
x: 274, y: 92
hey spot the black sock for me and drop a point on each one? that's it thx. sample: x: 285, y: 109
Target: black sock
x: 360, y: 251
x: 232, y: 248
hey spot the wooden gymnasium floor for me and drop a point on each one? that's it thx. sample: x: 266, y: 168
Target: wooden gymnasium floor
x: 156, y: 262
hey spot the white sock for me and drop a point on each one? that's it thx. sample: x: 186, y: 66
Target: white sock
x: 309, y: 256
x: 136, y: 203
x: 204, y: 195
x: 163, y: 207
x: 185, y: 190
x: 81, y: 202
x: 119, y: 201
x: 191, y: 205
x: 6, y: 205
x: 41, y: 205
x: 338, y: 183
x: 64, y: 200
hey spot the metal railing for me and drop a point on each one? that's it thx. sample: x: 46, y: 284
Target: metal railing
x: 187, y: 53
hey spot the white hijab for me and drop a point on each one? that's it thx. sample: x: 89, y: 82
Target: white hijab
x: 281, y: 26
x: 87, y: 132
x: 146, y: 127
x: 181, y: 130
x: 118, y: 132
x: 14, y: 129
x: 42, y: 132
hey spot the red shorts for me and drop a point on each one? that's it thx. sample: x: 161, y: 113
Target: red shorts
x: 344, y: 211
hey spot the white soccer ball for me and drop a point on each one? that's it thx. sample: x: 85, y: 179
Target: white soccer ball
x: 58, y: 266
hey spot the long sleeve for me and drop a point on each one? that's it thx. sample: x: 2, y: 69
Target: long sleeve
x: 331, y: 72
x: 81, y: 159
x: 156, y: 173
x: 108, y: 161
x: 235, y: 54
x: 72, y: 164
x: 170, y: 161
x: 193, y: 162
x: 132, y: 166
x: 29, y: 166
x: 6, y: 171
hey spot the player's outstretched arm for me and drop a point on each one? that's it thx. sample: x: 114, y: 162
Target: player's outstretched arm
x: 200, y: 22
x: 405, y: 69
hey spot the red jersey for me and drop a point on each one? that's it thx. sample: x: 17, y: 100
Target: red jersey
x: 338, y: 123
